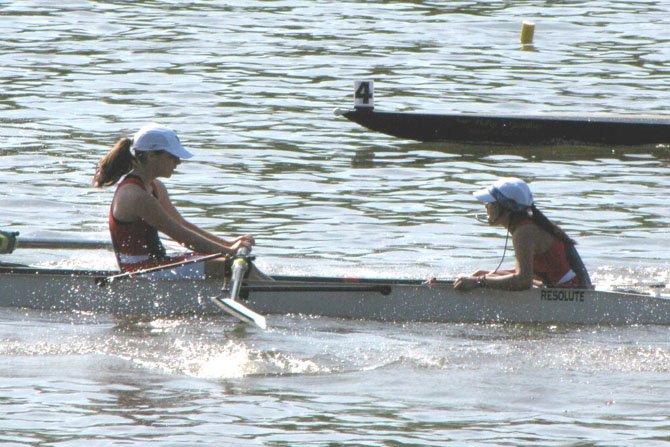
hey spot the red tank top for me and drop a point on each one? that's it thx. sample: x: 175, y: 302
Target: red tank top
x: 136, y: 244
x: 553, y: 266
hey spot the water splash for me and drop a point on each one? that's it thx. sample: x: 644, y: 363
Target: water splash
x: 232, y: 360
x: 634, y: 278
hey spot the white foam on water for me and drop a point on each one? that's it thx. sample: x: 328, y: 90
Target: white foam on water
x: 92, y: 260
x: 634, y: 278
x: 231, y: 360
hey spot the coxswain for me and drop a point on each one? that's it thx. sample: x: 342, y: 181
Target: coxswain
x: 545, y: 254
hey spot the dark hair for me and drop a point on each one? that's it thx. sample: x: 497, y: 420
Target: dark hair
x: 117, y: 163
x: 539, y: 219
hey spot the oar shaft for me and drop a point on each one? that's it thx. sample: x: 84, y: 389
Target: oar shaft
x: 128, y: 275
x: 240, y: 266
x: 230, y: 304
x: 63, y: 244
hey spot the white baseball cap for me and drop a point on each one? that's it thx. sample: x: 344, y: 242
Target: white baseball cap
x: 154, y: 137
x: 510, y: 192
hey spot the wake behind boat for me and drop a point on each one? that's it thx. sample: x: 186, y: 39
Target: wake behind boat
x: 611, y: 130
x: 396, y: 300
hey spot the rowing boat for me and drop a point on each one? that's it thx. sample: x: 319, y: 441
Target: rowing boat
x: 397, y: 300
x: 611, y: 130
x: 522, y: 130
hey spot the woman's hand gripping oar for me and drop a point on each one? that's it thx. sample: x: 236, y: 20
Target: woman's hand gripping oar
x: 230, y: 303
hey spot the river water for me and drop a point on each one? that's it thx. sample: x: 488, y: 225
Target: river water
x: 251, y: 88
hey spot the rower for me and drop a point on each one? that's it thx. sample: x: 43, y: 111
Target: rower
x: 544, y: 253
x: 141, y: 208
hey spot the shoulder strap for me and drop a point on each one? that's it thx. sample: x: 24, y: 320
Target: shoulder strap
x: 135, y: 180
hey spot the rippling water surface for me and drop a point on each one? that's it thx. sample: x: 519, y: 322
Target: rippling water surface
x: 251, y: 88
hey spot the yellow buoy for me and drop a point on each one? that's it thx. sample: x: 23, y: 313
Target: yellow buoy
x: 527, y: 31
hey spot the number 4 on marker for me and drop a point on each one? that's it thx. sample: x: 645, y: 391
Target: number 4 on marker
x: 363, y: 94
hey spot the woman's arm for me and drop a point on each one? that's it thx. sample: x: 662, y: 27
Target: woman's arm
x: 523, y: 240
x: 171, y: 210
x: 521, y: 278
x: 133, y: 202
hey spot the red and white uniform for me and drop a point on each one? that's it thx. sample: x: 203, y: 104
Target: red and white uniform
x: 553, y: 266
x: 136, y: 244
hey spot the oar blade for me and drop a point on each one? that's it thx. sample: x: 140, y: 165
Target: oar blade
x: 240, y: 311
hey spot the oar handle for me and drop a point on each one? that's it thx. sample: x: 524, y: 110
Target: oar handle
x: 243, y: 251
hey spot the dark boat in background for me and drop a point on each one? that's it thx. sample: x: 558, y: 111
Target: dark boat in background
x: 540, y: 129
x: 611, y: 130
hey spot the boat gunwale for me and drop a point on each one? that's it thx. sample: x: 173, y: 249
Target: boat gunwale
x: 102, y: 274
x: 280, y: 279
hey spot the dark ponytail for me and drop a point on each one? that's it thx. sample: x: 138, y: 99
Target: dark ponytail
x: 539, y: 219
x: 117, y: 163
